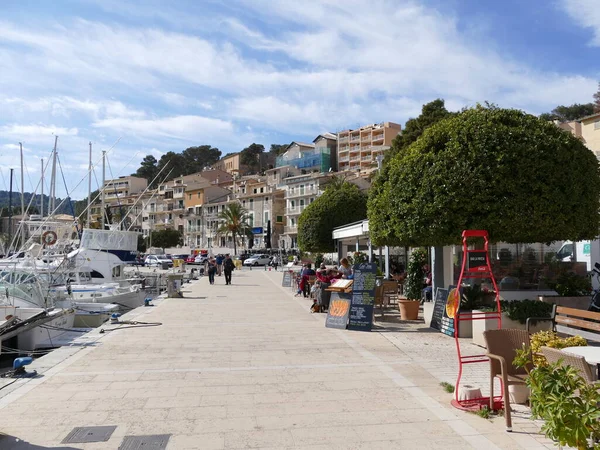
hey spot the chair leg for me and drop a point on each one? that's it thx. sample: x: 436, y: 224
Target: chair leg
x: 506, y: 404
x: 491, y: 391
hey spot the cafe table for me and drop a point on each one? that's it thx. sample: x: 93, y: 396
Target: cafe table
x: 591, y: 355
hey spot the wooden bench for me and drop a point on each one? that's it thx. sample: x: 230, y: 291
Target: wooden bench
x: 564, y: 319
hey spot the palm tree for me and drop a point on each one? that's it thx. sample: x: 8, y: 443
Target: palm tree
x: 235, y: 222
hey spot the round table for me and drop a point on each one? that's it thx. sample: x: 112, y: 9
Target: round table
x: 591, y: 354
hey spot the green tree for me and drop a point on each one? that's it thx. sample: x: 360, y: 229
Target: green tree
x: 569, y: 113
x: 166, y: 238
x: 518, y: 177
x: 431, y: 113
x: 148, y: 169
x: 176, y: 166
x: 597, y: 100
x: 278, y: 149
x: 236, y: 223
x: 250, y: 157
x: 337, y: 206
x: 197, y: 158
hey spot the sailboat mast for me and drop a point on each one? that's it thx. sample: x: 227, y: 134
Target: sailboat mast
x: 42, y: 194
x: 10, y: 224
x: 53, y: 179
x: 102, y: 196
x: 89, y: 189
x: 22, y: 198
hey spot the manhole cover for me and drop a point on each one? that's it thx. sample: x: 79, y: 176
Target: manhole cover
x: 154, y: 442
x: 80, y: 435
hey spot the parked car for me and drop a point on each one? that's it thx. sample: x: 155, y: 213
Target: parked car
x: 244, y: 256
x: 201, y: 259
x: 158, y: 261
x: 257, y: 260
x: 183, y: 257
x: 190, y: 259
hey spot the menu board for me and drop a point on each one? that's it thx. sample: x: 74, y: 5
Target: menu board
x: 363, y: 297
x: 439, y: 307
x: 339, y: 308
x: 477, y: 260
x: 447, y: 321
x: 287, y: 279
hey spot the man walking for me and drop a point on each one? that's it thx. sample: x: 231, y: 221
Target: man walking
x: 228, y: 267
x: 219, y: 264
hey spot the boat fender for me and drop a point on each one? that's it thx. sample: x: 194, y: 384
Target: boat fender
x: 21, y: 362
x: 114, y: 317
x: 148, y: 301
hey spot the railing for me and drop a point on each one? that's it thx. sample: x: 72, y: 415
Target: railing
x: 365, y: 139
x: 301, y: 192
x: 378, y: 137
x: 344, y: 158
x: 355, y: 167
x: 290, y: 229
x: 355, y: 158
x: 344, y: 148
x: 355, y: 148
x: 366, y: 158
x: 355, y: 139
x: 343, y: 139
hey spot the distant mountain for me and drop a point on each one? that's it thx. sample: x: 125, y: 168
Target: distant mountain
x: 66, y: 208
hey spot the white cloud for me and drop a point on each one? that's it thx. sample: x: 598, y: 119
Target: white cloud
x: 586, y: 13
x: 36, y: 131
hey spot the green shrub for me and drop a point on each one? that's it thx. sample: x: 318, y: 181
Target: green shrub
x: 569, y: 284
x: 551, y: 339
x: 521, y: 310
x: 413, y: 285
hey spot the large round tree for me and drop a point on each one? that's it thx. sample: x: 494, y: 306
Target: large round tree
x: 518, y: 177
x: 341, y: 203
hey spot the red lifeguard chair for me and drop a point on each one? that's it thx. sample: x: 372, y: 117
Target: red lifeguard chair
x: 475, y: 264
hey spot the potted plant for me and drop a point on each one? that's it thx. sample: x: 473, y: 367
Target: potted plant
x: 565, y: 401
x: 409, y: 302
x: 514, y: 315
x: 573, y: 291
x: 472, y: 298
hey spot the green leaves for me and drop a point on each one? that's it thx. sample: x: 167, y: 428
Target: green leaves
x: 510, y: 173
x: 338, y: 205
x: 415, y: 275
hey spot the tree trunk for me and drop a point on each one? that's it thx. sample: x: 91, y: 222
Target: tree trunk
x: 234, y: 246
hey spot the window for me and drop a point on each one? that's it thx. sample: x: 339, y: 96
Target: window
x: 189, y: 196
x: 266, y: 216
x: 293, y: 222
x: 266, y: 199
x: 279, y: 219
x: 243, y: 202
x: 255, y: 190
x: 198, y: 194
x: 262, y: 190
x: 292, y: 204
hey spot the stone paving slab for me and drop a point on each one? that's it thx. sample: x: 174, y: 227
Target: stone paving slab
x: 247, y: 366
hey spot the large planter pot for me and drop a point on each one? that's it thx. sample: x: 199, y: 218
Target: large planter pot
x: 409, y: 309
x: 518, y: 393
x: 582, y: 302
x: 479, y: 326
x: 428, y: 313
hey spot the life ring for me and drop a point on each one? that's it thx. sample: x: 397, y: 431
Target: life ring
x: 49, y: 238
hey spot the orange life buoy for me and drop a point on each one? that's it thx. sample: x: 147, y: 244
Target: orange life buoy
x: 49, y: 238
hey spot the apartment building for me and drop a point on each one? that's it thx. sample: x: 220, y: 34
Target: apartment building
x: 587, y: 129
x: 265, y: 204
x: 358, y: 149
x: 122, y: 202
x: 320, y: 156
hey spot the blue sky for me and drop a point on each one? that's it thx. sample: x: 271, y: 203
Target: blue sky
x: 139, y: 78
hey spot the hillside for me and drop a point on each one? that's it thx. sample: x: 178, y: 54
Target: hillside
x: 35, y: 205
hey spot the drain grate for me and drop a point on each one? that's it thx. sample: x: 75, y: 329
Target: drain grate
x: 153, y: 442
x: 80, y: 435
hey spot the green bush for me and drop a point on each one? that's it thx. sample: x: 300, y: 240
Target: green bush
x: 569, y: 284
x: 551, y: 339
x: 413, y: 284
x: 521, y: 310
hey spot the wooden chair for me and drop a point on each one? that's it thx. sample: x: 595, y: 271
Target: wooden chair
x: 554, y: 355
x: 390, y: 292
x: 502, y: 346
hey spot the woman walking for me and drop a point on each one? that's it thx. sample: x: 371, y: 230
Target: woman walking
x: 212, y: 269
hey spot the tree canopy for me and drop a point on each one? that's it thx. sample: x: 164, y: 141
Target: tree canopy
x: 250, y: 157
x: 278, y: 149
x: 235, y: 223
x: 518, y: 177
x: 431, y: 113
x: 166, y: 238
x: 569, y: 113
x: 337, y: 206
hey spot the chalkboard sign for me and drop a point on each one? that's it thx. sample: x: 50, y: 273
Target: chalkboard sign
x: 287, y: 279
x: 363, y: 297
x: 439, y: 306
x: 339, y: 308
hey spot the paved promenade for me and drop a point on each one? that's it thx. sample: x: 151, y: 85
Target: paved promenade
x: 246, y: 366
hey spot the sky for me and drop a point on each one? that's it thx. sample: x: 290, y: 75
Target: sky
x: 136, y: 78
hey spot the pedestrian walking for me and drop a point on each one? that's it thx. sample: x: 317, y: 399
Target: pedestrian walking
x: 228, y: 267
x: 212, y: 269
x: 275, y: 262
x: 220, y: 259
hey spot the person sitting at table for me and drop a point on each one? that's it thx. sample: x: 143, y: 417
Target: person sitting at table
x: 324, y: 278
x: 345, y: 269
x: 304, y: 277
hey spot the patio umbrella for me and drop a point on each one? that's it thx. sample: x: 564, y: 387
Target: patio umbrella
x: 268, y: 235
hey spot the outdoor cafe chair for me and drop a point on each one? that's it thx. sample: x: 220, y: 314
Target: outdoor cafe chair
x: 502, y: 348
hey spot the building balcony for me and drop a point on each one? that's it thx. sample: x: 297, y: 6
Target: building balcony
x: 355, y: 158
x: 290, y: 229
x: 366, y: 158
x: 302, y: 192
x: 355, y: 148
x: 343, y: 139
x: 354, y: 167
x: 377, y: 137
x: 366, y: 138
x: 344, y: 158
x: 355, y: 139
x: 344, y: 148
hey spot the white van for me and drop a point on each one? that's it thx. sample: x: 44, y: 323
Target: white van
x: 579, y: 251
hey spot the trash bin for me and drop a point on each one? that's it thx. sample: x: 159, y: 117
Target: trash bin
x: 164, y: 266
x: 177, y: 262
x: 174, y: 282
